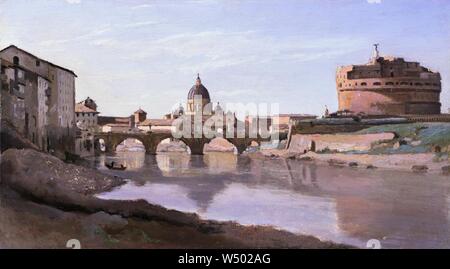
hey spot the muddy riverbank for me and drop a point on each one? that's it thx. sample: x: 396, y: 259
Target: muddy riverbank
x: 45, y: 202
x: 416, y: 162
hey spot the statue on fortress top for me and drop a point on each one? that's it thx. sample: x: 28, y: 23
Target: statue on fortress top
x: 327, y: 112
x: 376, y: 53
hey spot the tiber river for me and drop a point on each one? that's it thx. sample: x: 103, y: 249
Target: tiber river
x: 348, y: 205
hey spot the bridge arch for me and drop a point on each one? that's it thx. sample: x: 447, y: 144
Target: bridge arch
x: 219, y: 144
x: 176, y: 145
x: 126, y: 140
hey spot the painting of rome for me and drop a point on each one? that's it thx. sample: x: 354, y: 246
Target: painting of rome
x: 225, y: 125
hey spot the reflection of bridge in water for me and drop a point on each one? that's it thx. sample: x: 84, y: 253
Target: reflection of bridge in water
x: 401, y: 209
x: 151, y: 140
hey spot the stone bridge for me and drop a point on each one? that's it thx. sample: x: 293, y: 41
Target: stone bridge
x: 150, y: 140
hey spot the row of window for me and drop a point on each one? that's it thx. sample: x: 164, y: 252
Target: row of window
x: 85, y: 113
x: 391, y: 83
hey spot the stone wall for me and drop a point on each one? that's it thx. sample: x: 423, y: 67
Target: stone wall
x: 336, y: 142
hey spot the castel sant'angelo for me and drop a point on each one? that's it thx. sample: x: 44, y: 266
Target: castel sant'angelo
x: 388, y: 86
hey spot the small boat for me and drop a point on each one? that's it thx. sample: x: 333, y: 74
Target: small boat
x: 112, y: 166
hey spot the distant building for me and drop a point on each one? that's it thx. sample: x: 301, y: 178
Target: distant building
x: 139, y: 116
x: 198, y: 100
x: 178, y: 112
x: 285, y: 119
x: 156, y: 125
x: 86, y: 116
x: 282, y: 120
x: 38, y: 98
x: 108, y: 124
x: 388, y: 86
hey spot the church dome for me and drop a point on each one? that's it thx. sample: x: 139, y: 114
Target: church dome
x: 198, y: 89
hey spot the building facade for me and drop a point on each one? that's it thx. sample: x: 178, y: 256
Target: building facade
x: 86, y: 116
x: 388, y: 86
x: 38, y: 98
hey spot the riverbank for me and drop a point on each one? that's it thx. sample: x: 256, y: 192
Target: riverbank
x: 418, y: 147
x: 415, y: 162
x: 45, y: 202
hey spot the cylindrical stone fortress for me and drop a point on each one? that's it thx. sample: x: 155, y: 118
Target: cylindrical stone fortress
x: 388, y: 86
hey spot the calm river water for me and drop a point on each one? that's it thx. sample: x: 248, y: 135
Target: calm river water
x: 348, y: 205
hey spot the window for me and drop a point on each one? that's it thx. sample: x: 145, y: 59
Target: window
x: 20, y: 74
x: 38, y: 63
x: 16, y: 60
x: 377, y: 83
x: 363, y: 84
x: 389, y: 83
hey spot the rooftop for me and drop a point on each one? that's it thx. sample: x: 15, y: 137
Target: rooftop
x: 42, y: 60
x: 140, y: 111
x: 80, y: 107
x: 156, y: 122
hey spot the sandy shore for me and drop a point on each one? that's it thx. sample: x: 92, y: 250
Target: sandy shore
x: 401, y: 162
x: 43, y: 205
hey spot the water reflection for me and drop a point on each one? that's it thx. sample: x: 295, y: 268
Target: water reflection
x: 341, y: 204
x: 221, y: 162
x: 173, y: 164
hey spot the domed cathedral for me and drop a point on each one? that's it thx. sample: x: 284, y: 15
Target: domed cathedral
x: 198, y: 100
x: 388, y: 86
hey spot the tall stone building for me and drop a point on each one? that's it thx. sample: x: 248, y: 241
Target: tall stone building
x: 38, y: 98
x: 388, y: 86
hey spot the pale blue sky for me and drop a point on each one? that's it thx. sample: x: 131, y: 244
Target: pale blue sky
x: 131, y: 54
